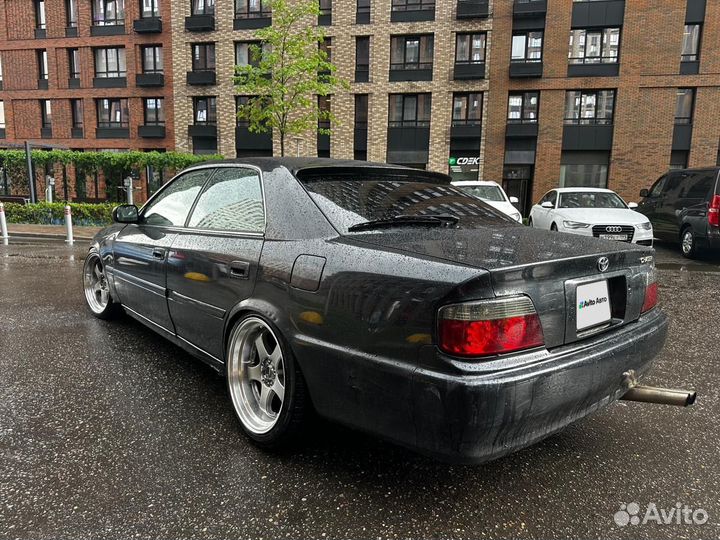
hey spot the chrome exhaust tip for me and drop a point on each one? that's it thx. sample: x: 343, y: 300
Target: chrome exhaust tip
x: 651, y: 394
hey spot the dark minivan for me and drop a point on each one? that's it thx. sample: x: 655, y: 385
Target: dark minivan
x: 683, y: 205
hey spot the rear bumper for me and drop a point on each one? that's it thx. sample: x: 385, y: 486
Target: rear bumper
x: 476, y: 418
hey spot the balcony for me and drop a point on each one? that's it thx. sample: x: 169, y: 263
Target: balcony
x: 587, y: 137
x: 410, y: 72
x: 404, y: 13
x: 200, y: 23
x: 252, y: 21
x: 151, y: 132
x: 599, y: 13
x: 469, y: 129
x: 516, y: 130
x: 408, y: 144
x: 112, y: 133
x: 609, y: 69
x: 107, y: 30
x: 247, y: 141
x: 109, y: 82
x: 202, y: 130
x: 201, y: 78
x: 465, y: 71
x: 74, y: 82
x: 150, y: 25
x: 148, y: 80
x: 77, y: 133
x: 473, y: 9
x: 529, y: 8
x: 523, y: 69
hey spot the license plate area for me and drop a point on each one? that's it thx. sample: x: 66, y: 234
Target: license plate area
x: 617, y: 284
x: 617, y: 237
x: 592, y: 305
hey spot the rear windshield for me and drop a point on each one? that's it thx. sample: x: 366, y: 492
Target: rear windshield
x: 589, y: 199
x: 348, y: 201
x: 488, y: 193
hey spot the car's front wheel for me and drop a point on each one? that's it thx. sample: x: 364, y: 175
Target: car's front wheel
x: 688, y: 243
x: 97, y: 290
x: 266, y: 387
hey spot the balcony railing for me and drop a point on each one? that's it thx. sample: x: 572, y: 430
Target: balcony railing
x: 252, y: 19
x: 473, y: 9
x: 403, y: 11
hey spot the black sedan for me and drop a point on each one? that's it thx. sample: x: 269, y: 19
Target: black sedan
x: 380, y: 297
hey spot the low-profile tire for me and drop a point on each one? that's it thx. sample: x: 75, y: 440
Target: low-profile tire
x: 688, y: 243
x: 97, y: 290
x: 266, y: 387
x: 553, y: 227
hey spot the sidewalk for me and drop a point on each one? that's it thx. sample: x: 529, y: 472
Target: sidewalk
x: 51, y: 231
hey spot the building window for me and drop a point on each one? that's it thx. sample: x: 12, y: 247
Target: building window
x: 413, y: 5
x: 108, y: 12
x: 467, y: 109
x: 325, y: 7
x: 241, y: 101
x: 584, y: 175
x: 411, y: 52
x: 527, y: 47
x: 678, y: 159
x: 523, y: 108
x: 149, y: 9
x: 362, y: 12
x: 110, y: 63
x: 40, y: 23
x: 45, y: 114
x: 2, y: 115
x: 1, y: 72
x: 586, y: 107
x: 594, y: 46
x: 112, y: 113
x: 203, y: 57
x: 154, y: 112
x: 152, y: 59
x: 684, y: 105
x: 76, y: 109
x: 691, y: 43
x: 42, y: 59
x: 244, y: 55
x: 71, y: 13
x: 74, y: 63
x: 362, y: 58
x: 470, y: 48
x: 252, y: 9
x: 203, y: 7
x: 409, y: 110
x: 323, y: 104
x: 361, y: 111
x: 205, y: 110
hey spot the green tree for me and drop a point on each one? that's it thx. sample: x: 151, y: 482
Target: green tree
x: 286, y: 72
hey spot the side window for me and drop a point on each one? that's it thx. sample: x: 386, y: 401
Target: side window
x: 549, y: 197
x: 674, y: 184
x: 659, y: 186
x: 172, y: 206
x: 699, y: 185
x: 232, y: 201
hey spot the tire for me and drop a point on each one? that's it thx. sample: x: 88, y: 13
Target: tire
x: 688, y: 243
x: 553, y: 227
x: 259, y: 364
x: 96, y: 288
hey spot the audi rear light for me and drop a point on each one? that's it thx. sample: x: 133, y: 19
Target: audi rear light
x: 651, y: 293
x: 489, y: 327
x: 714, y: 211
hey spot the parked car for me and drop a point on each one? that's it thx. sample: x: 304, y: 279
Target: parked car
x: 684, y: 206
x: 493, y: 194
x: 591, y: 212
x: 383, y: 298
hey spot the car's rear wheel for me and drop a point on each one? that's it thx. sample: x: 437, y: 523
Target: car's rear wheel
x: 97, y: 290
x: 688, y: 243
x: 266, y: 387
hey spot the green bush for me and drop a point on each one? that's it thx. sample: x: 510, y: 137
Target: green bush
x: 43, y: 213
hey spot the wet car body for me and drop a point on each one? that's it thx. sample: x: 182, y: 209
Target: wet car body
x: 359, y: 310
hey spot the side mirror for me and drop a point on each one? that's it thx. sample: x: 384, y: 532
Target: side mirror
x: 514, y: 200
x: 644, y: 193
x: 547, y: 204
x: 632, y: 205
x: 125, y: 213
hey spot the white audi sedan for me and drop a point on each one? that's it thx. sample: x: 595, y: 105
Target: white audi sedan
x: 491, y: 193
x: 591, y: 212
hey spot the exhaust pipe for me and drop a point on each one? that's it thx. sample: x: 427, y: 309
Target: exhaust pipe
x: 651, y: 394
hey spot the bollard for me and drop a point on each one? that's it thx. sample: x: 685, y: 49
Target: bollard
x: 68, y: 224
x: 3, y: 223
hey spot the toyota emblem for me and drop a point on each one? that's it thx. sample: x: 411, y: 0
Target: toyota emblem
x: 613, y: 228
x: 603, y: 263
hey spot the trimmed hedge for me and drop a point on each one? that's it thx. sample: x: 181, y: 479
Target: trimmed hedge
x: 43, y: 213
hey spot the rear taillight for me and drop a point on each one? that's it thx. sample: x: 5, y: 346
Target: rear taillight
x: 651, y: 293
x: 489, y: 327
x: 714, y: 211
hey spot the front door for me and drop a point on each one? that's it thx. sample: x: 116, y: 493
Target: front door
x: 140, y: 250
x: 212, y: 264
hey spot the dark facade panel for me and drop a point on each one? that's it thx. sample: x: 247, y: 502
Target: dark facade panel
x: 466, y: 132
x: 325, y: 19
x: 2, y: 133
x: 695, y: 11
x: 360, y: 139
x: 201, y: 78
x: 40, y: 33
x: 682, y: 137
x: 521, y: 130
x: 473, y: 9
x: 42, y: 84
x: 109, y: 30
x: 323, y: 145
x: 464, y: 72
x: 362, y: 75
x: 520, y: 151
x: 587, y: 138
x: 201, y: 130
x: 536, y: 22
x: 465, y: 146
x: 150, y: 25
x: 77, y: 133
x: 252, y: 23
x: 112, y: 133
x: 416, y: 15
x: 410, y: 75
x: 594, y: 70
x: 200, y: 23
x: 74, y: 83
x: 151, y: 132
x: 71, y: 32
x: 529, y: 8
x: 408, y: 144
x: 247, y: 140
x: 46, y: 133
x: 689, y: 68
x: 204, y: 145
x: 109, y: 82
x: 362, y: 17
x: 145, y: 80
x: 526, y: 69
x: 600, y: 13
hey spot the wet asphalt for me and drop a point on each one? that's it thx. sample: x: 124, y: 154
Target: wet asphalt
x: 108, y: 431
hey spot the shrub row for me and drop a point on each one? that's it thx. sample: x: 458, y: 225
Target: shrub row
x: 43, y: 213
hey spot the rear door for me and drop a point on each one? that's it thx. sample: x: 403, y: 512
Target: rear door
x: 649, y: 205
x: 140, y: 250
x: 692, y: 206
x: 213, y: 261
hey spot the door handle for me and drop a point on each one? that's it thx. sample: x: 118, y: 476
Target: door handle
x: 158, y: 254
x: 240, y: 270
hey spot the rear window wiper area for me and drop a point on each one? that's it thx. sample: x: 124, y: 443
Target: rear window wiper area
x: 442, y: 220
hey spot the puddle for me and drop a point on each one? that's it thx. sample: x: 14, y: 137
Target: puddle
x: 688, y: 267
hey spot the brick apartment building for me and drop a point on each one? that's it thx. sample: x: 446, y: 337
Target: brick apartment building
x: 530, y: 93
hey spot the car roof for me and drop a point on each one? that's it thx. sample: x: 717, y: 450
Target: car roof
x: 475, y: 183
x: 582, y: 190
